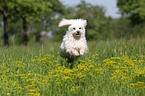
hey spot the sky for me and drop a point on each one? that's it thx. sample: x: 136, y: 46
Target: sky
x: 110, y: 5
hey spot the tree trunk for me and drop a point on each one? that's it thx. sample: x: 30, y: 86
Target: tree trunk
x: 25, y: 37
x: 6, y: 35
x: 38, y: 37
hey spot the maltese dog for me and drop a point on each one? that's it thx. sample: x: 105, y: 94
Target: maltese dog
x: 74, y: 42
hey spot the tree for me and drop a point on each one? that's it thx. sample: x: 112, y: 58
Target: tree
x: 24, y: 9
x: 6, y: 9
x: 48, y: 19
x: 134, y: 9
x: 98, y: 26
x: 29, y: 10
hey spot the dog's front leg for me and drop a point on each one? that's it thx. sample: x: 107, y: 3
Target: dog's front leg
x: 73, y: 52
x: 82, y: 52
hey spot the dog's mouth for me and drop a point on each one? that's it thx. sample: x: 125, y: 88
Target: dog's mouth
x: 77, y: 34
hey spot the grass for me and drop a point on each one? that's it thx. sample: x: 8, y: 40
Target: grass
x: 110, y: 68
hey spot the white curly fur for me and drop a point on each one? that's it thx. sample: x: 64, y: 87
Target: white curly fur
x: 74, y: 42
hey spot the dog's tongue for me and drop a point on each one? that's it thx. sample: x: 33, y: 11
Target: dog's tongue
x: 77, y: 33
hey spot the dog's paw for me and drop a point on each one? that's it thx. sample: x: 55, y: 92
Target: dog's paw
x: 81, y: 52
x: 76, y: 53
x: 72, y: 52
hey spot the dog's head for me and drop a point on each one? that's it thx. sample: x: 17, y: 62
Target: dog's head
x: 76, y: 26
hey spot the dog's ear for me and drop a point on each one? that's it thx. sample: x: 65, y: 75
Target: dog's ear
x: 64, y: 22
x: 85, y: 23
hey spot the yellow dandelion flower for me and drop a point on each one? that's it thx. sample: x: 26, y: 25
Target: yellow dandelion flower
x: 30, y: 85
x: 44, y: 80
x: 73, y: 88
x: 37, y: 94
x: 132, y: 84
x: 8, y: 93
x: 31, y: 93
x: 66, y: 77
x: 134, y: 60
x: 42, y: 59
x: 36, y: 56
x: 141, y: 83
x: 96, y: 54
x: 32, y: 90
x: 91, y: 66
x: 77, y: 87
x: 32, y: 60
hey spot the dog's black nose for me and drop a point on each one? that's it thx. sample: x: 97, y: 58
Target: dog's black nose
x: 78, y: 32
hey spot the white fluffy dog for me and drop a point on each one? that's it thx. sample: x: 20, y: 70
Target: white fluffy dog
x: 74, y: 42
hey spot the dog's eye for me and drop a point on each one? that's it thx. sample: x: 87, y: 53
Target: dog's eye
x: 74, y: 28
x: 80, y: 28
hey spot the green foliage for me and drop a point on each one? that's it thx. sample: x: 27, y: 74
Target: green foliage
x: 44, y: 15
x: 9, y: 4
x: 98, y: 25
x: 122, y: 29
x: 133, y: 8
x: 34, y: 11
x: 30, y: 8
x: 109, y: 68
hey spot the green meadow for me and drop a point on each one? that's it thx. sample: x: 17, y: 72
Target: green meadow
x: 110, y: 68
